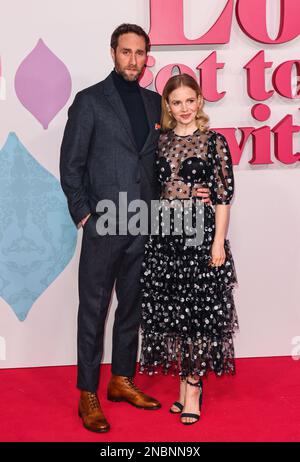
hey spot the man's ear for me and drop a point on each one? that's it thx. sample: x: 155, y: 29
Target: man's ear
x: 113, y: 55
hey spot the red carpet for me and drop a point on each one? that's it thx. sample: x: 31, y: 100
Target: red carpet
x: 260, y: 403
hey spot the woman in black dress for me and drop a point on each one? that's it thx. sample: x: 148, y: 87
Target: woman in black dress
x: 188, y: 311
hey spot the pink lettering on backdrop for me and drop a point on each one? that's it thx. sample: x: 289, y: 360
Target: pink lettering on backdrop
x: 261, y: 112
x: 166, y: 72
x: 166, y: 24
x: 147, y: 77
x: 283, y: 148
x: 282, y: 79
x: 236, y: 148
x: 261, y: 153
x: 208, y: 78
x: 252, y: 19
x: 256, y: 85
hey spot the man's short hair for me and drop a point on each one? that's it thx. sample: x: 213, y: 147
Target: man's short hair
x: 125, y: 29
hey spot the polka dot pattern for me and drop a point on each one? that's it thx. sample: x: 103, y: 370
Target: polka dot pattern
x: 188, y: 311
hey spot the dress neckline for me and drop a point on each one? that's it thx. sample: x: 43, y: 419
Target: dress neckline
x: 185, y: 136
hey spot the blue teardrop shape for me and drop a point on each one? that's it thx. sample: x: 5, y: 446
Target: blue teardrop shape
x: 37, y: 235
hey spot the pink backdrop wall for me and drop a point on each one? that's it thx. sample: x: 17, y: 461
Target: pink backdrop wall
x: 246, y: 56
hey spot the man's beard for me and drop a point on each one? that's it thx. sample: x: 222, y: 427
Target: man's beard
x: 125, y: 76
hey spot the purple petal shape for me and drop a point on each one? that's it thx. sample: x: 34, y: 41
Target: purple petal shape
x: 43, y: 83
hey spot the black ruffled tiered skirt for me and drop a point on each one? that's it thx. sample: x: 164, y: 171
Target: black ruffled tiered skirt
x: 188, y: 311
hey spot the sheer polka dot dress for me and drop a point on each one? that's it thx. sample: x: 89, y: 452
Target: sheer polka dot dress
x: 188, y: 311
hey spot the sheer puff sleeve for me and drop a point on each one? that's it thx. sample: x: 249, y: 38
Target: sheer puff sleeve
x: 222, y: 179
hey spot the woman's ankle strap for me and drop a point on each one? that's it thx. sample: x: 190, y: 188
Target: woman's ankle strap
x: 195, y: 384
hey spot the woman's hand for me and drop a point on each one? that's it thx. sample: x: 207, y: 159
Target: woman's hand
x: 218, y: 254
x: 204, y: 193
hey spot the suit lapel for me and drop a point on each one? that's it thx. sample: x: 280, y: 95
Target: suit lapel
x: 116, y: 102
x: 151, y: 116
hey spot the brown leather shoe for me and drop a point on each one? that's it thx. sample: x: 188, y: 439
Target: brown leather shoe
x: 122, y: 388
x: 91, y: 413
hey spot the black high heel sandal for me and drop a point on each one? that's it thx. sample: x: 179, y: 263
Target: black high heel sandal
x: 180, y: 407
x: 187, y: 414
x: 177, y: 404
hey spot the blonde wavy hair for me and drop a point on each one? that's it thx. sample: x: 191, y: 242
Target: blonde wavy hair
x: 182, y: 80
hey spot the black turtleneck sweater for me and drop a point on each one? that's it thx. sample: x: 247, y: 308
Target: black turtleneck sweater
x: 134, y: 105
